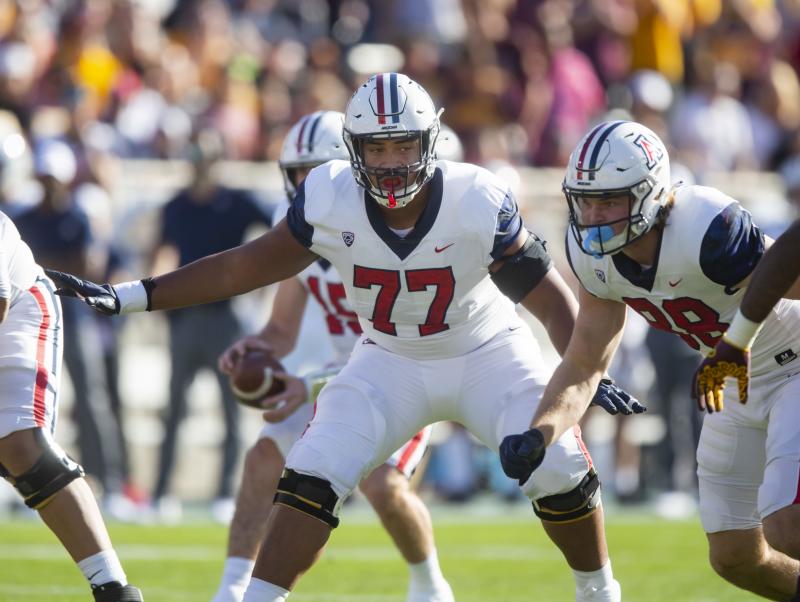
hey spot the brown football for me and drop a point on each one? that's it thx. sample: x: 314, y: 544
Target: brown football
x: 251, y: 380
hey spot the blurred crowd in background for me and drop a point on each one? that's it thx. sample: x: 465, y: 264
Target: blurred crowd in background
x: 85, y: 83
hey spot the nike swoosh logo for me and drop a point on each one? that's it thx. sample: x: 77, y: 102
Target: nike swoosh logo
x: 439, y: 250
x: 676, y: 283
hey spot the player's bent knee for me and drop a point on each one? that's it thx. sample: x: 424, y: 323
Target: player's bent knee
x: 383, y: 485
x: 53, y: 471
x: 736, y: 553
x: 571, y: 505
x: 311, y: 495
x: 782, y: 531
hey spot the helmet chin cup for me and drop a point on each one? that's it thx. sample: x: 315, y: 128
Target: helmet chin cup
x: 596, y: 238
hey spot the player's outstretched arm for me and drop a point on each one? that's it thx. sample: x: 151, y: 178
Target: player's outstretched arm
x: 270, y: 258
x: 554, y: 305
x: 775, y: 276
x: 598, y: 330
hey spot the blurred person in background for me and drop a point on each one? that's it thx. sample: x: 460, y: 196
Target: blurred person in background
x: 315, y: 139
x: 202, y: 219
x: 709, y: 126
x: 60, y: 234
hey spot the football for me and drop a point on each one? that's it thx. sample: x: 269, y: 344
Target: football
x: 252, y: 378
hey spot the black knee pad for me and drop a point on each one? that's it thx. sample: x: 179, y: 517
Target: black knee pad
x: 572, y: 505
x: 311, y: 495
x: 53, y: 471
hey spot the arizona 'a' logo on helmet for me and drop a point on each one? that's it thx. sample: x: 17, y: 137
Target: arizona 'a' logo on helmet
x: 617, y: 159
x: 391, y: 106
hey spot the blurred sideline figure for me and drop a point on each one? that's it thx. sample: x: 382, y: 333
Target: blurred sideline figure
x: 203, y: 219
x: 313, y: 140
x: 31, y: 345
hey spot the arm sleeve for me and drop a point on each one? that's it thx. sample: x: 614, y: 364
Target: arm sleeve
x: 731, y: 247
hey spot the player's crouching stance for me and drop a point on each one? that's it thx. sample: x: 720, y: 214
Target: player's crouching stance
x: 424, y: 250
x: 312, y: 141
x: 30, y: 366
x: 682, y: 258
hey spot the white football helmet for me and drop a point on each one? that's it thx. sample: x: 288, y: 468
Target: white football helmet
x: 617, y: 158
x: 315, y: 139
x: 391, y: 106
x: 448, y: 146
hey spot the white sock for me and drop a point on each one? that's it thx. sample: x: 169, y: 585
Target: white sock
x: 426, y: 573
x: 600, y: 578
x: 102, y: 568
x: 235, y: 576
x: 261, y: 591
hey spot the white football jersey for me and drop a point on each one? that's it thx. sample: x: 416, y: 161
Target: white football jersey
x: 18, y: 269
x: 708, y: 246
x: 324, y: 284
x: 428, y: 294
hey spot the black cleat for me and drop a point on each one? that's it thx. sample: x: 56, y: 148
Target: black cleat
x: 114, y: 592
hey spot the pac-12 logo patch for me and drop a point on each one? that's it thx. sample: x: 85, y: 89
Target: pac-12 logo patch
x: 652, y: 151
x: 601, y: 275
x: 348, y: 238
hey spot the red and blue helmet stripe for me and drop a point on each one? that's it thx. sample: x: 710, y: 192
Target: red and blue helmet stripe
x: 310, y: 123
x: 387, y: 88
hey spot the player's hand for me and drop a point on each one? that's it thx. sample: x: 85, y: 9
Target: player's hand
x: 615, y: 400
x: 100, y: 297
x: 725, y: 361
x: 521, y: 454
x: 227, y: 360
x: 285, y: 403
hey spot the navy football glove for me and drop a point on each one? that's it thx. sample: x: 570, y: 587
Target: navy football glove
x: 521, y: 454
x: 100, y: 297
x: 614, y: 400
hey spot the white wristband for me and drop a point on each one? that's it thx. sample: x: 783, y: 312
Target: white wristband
x: 132, y: 296
x: 742, y: 331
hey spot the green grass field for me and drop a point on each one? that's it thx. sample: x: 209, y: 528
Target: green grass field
x: 486, y: 560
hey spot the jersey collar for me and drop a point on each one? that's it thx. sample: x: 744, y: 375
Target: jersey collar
x: 633, y: 272
x: 403, y: 246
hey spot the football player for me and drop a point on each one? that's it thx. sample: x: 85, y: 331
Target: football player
x: 682, y: 258
x: 433, y: 256
x: 313, y: 140
x: 50, y: 482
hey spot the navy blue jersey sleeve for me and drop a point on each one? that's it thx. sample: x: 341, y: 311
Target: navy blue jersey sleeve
x: 296, y: 218
x: 509, y: 224
x: 732, y: 246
